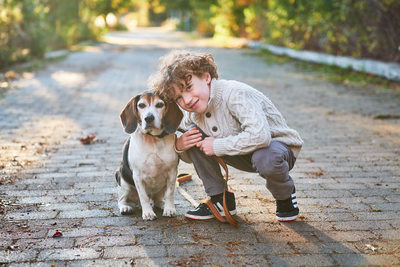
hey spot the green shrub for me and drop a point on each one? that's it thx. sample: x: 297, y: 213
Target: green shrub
x: 357, y: 28
x: 29, y: 28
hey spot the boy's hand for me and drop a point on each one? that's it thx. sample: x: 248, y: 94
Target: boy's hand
x: 188, y: 139
x: 207, y: 146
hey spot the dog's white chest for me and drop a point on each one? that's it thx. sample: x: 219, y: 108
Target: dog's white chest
x: 155, y: 165
x: 152, y: 162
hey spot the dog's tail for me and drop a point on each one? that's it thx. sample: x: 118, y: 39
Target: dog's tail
x: 123, y: 171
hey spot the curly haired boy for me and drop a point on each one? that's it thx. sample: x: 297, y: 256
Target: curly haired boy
x: 231, y: 120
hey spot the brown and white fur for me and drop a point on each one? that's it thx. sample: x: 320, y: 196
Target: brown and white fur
x: 149, y: 166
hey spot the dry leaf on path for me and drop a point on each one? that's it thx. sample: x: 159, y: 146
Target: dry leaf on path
x: 88, y: 140
x: 57, y: 234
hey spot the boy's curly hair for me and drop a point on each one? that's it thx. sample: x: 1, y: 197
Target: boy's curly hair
x: 178, y: 66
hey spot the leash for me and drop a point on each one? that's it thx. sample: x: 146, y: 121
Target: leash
x: 208, y: 201
x: 185, y: 177
x: 228, y: 217
x: 180, y: 179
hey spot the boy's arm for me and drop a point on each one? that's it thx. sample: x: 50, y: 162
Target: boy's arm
x: 255, y: 131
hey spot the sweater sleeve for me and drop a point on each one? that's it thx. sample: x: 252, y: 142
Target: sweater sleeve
x: 244, y: 106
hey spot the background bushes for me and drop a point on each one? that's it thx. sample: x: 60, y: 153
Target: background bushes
x: 28, y: 28
x: 357, y: 28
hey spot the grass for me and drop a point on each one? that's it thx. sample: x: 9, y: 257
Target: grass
x: 330, y: 73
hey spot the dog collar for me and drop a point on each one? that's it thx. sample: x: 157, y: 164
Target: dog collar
x: 163, y: 134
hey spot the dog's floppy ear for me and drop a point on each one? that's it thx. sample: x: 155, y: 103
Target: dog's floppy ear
x: 129, y: 116
x: 172, y: 117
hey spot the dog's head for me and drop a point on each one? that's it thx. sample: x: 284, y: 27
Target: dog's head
x: 152, y: 114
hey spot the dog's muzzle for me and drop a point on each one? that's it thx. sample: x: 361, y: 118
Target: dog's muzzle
x: 149, y: 119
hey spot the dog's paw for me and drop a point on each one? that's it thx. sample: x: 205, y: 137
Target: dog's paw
x: 169, y: 212
x: 149, y: 215
x: 125, y: 209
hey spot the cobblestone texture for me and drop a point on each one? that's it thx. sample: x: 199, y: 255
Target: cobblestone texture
x: 347, y: 175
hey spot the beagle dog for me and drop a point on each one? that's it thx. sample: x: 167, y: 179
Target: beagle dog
x: 149, y: 164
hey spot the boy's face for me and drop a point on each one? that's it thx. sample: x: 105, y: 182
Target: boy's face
x: 194, y: 97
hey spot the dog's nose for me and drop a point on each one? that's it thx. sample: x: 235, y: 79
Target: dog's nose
x: 149, y: 118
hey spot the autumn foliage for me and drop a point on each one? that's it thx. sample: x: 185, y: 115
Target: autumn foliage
x: 357, y: 28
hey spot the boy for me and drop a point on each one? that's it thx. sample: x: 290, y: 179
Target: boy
x: 231, y: 120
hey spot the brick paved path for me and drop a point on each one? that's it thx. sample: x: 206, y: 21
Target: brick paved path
x: 347, y: 175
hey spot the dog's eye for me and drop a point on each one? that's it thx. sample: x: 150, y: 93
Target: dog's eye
x: 141, y: 105
x: 159, y: 105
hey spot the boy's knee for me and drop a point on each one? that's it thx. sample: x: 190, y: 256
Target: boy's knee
x: 194, y: 152
x: 270, y: 163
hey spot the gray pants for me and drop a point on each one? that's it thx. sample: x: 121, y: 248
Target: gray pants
x: 273, y: 163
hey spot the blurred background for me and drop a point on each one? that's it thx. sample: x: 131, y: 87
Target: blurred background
x: 361, y: 29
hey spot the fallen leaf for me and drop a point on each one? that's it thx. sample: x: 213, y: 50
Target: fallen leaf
x: 11, y: 248
x: 376, y: 210
x: 386, y: 116
x: 302, y: 217
x: 310, y: 159
x: 88, y: 140
x: 10, y: 75
x: 315, y: 174
x: 57, y: 234
x: 371, y: 247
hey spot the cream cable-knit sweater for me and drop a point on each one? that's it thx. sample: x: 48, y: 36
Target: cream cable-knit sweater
x: 242, y: 120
